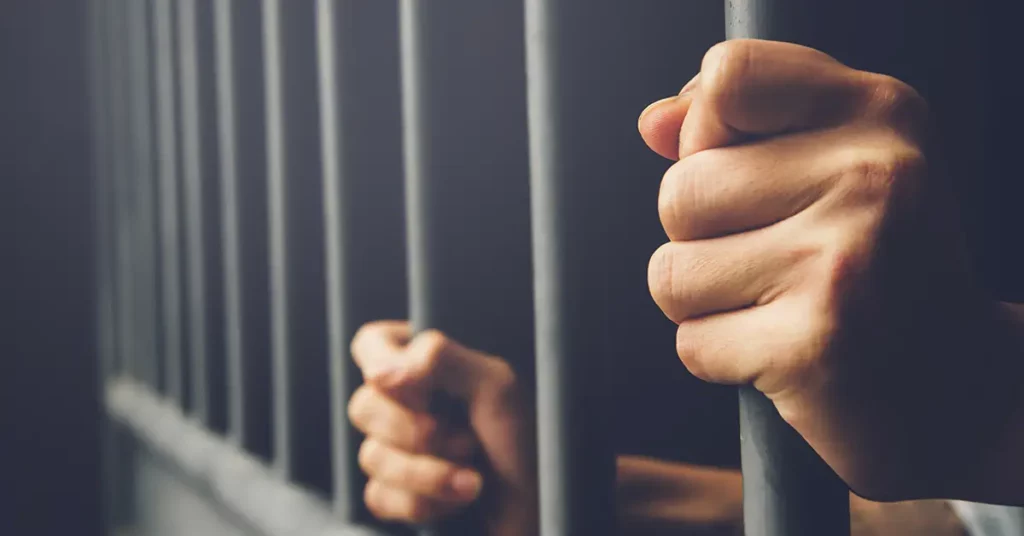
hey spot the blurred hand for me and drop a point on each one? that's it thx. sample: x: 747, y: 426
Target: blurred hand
x: 420, y: 469
x: 815, y: 253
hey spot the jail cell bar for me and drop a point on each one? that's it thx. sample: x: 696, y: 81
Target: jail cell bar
x: 787, y: 489
x: 465, y: 156
x: 467, y: 198
x: 296, y: 245
x: 243, y: 222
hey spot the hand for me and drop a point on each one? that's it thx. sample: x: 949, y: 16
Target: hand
x: 815, y: 253
x: 420, y: 468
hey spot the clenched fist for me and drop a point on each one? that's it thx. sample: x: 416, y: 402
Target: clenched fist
x: 421, y: 469
x: 815, y: 252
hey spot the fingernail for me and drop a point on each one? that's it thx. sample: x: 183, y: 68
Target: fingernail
x: 689, y: 85
x: 655, y: 105
x: 467, y: 483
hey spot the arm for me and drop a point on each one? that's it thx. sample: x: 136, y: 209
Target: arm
x: 997, y: 474
x: 658, y: 497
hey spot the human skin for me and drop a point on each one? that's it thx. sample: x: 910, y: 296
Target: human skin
x: 814, y: 252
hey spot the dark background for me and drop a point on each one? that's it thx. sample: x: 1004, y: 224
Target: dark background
x: 964, y: 56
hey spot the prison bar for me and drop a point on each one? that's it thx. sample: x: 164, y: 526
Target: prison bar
x: 144, y: 202
x: 466, y: 155
x: 167, y: 154
x: 192, y: 154
x: 360, y: 121
x: 301, y: 419
x: 243, y: 213
x: 467, y: 211
x: 787, y: 489
x: 576, y: 459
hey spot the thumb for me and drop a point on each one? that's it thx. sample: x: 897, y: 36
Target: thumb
x: 660, y: 123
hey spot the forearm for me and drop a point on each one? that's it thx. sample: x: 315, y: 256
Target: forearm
x: 657, y: 497
x: 997, y: 477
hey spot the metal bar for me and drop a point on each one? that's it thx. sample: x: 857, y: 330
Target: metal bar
x: 787, y: 489
x: 123, y: 193
x: 143, y: 176
x: 193, y: 212
x: 465, y: 169
x: 168, y: 194
x: 236, y: 157
x: 360, y: 133
x: 576, y: 461
x: 299, y: 331
x: 239, y: 73
x: 112, y: 488
x: 201, y: 196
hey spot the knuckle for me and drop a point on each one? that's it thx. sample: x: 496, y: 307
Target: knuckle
x: 726, y: 66
x: 369, y: 456
x: 504, y: 380
x: 659, y: 279
x: 898, y: 103
x: 358, y: 405
x: 689, y: 352
x: 674, y: 295
x: 375, y: 497
x: 434, y: 346
x: 682, y: 195
x: 877, y: 176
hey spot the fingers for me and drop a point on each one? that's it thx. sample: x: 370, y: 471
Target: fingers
x: 693, y: 279
x: 434, y: 361
x: 398, y: 504
x: 752, y: 87
x: 733, y: 189
x: 739, y: 347
x: 422, y: 475
x: 380, y: 417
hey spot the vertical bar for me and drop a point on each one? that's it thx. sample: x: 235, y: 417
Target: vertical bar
x: 143, y: 177
x: 168, y: 195
x: 298, y: 308
x: 123, y: 193
x: 193, y: 222
x: 576, y: 461
x: 362, y: 185
x: 347, y: 481
x: 240, y: 102
x: 465, y: 170
x: 787, y: 489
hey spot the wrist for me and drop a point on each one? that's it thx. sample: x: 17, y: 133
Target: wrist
x: 996, y: 473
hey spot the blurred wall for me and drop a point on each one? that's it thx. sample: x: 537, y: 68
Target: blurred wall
x: 49, y: 408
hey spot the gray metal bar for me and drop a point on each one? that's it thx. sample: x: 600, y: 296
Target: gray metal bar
x: 112, y: 488
x: 577, y: 468
x: 201, y: 224
x: 106, y: 326
x: 240, y: 103
x: 467, y: 200
x: 299, y: 337
x: 360, y: 134
x: 123, y: 195
x: 143, y: 177
x: 193, y: 212
x: 787, y: 489
x: 170, y: 252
